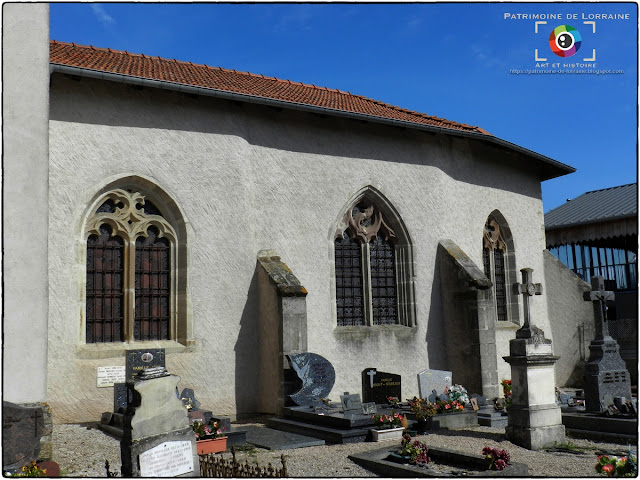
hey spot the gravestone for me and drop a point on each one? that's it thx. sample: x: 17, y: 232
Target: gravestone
x: 606, y: 375
x: 157, y: 439
x: 135, y: 362
x: 351, y: 403
x: 534, y: 418
x: 189, y: 397
x: 429, y: 380
x: 138, y: 360
x: 482, y: 401
x: 317, y: 376
x: 379, y: 386
x: 22, y: 428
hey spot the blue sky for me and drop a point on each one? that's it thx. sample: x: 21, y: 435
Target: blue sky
x: 450, y: 60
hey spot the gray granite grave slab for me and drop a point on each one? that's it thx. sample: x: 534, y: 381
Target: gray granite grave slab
x: 376, y: 462
x: 429, y: 380
x: 264, y: 437
x: 317, y: 375
x: 351, y: 403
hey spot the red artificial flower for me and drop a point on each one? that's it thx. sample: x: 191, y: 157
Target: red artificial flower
x: 608, y: 468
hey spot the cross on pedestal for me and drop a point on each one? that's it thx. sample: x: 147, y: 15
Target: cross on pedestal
x: 527, y: 288
x: 599, y: 296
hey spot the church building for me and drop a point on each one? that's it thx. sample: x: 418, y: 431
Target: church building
x: 155, y: 203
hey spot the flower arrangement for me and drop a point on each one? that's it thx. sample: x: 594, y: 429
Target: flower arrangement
x: 496, y: 459
x: 422, y: 408
x: 457, y: 393
x: 448, y: 407
x: 203, y: 431
x: 393, y: 401
x: 384, y: 421
x: 613, y: 466
x: 416, y: 450
x: 31, y: 470
x: 506, y: 390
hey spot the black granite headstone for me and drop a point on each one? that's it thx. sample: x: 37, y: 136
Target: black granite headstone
x: 122, y: 396
x: 317, y: 375
x: 188, y: 396
x: 379, y: 386
x: 482, y: 401
x: 138, y: 360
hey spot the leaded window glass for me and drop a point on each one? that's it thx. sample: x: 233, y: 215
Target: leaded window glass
x: 495, y: 268
x: 383, y: 282
x: 152, y: 271
x: 104, y: 277
x: 349, y: 293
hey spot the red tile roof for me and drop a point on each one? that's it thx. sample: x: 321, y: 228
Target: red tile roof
x: 187, y: 73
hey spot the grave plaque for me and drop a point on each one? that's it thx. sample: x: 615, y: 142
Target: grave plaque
x: 379, y: 386
x: 109, y: 376
x: 169, y: 459
x: 317, y: 375
x: 351, y: 403
x: 188, y: 397
x: 138, y: 360
x: 369, y: 408
x: 474, y: 403
x: 429, y: 380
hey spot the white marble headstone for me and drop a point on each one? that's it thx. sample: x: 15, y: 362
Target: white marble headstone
x: 437, y: 380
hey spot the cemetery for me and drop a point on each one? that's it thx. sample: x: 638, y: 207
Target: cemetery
x: 310, y: 283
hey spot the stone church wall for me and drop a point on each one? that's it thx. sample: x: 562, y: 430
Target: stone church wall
x: 248, y: 178
x: 571, y: 319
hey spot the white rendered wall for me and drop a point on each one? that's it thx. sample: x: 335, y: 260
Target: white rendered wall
x: 249, y: 178
x: 25, y: 84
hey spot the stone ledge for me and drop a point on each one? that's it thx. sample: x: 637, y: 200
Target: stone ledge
x: 362, y: 332
x: 95, y: 351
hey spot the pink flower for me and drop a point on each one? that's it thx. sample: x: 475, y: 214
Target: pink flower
x: 608, y: 468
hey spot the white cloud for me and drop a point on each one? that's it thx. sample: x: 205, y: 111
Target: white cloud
x: 101, y: 14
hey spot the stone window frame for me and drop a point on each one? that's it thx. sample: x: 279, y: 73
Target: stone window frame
x: 501, y: 238
x: 174, y: 226
x: 404, y: 265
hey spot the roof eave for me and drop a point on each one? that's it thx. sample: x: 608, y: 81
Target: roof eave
x: 592, y: 222
x: 550, y: 168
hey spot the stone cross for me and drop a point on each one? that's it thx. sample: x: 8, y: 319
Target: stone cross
x: 527, y: 288
x: 599, y: 296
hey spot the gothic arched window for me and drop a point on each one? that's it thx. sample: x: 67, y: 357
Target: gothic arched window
x: 372, y: 286
x: 498, y: 259
x: 130, y: 271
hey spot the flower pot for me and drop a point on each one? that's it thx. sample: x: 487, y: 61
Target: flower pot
x: 398, y: 458
x: 213, y: 445
x: 387, y: 434
x: 423, y: 425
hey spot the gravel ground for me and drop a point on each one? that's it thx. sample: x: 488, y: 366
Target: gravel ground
x: 81, y: 451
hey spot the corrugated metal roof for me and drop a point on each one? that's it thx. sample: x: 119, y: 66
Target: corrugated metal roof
x: 596, y: 206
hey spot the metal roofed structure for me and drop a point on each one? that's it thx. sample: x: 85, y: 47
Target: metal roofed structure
x: 597, y: 234
x: 604, y: 205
